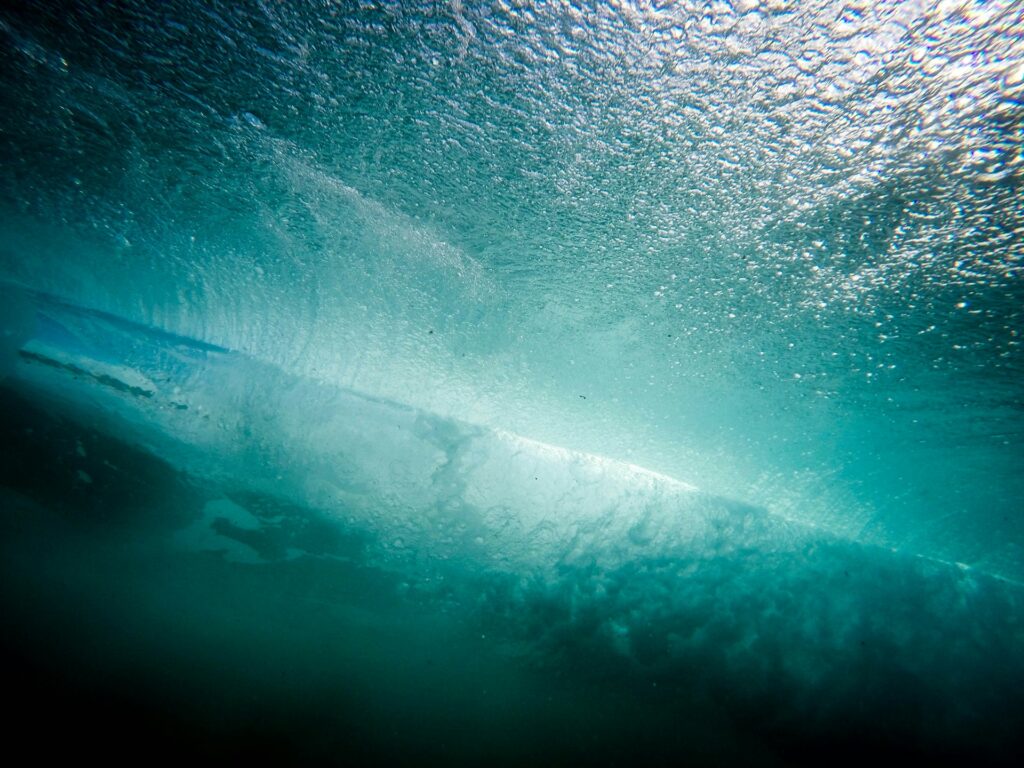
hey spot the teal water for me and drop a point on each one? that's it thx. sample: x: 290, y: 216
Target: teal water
x: 514, y: 382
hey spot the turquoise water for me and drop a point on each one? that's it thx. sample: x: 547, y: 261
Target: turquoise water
x: 514, y: 382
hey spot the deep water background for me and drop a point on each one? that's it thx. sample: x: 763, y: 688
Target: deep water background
x: 513, y: 382
x: 123, y: 639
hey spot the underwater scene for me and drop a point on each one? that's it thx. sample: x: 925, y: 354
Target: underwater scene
x: 512, y: 382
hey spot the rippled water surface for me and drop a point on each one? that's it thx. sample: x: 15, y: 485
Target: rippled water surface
x: 515, y: 381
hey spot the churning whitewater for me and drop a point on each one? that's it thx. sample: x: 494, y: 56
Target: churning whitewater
x: 511, y: 382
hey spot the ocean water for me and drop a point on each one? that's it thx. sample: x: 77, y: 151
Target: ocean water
x: 513, y: 382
